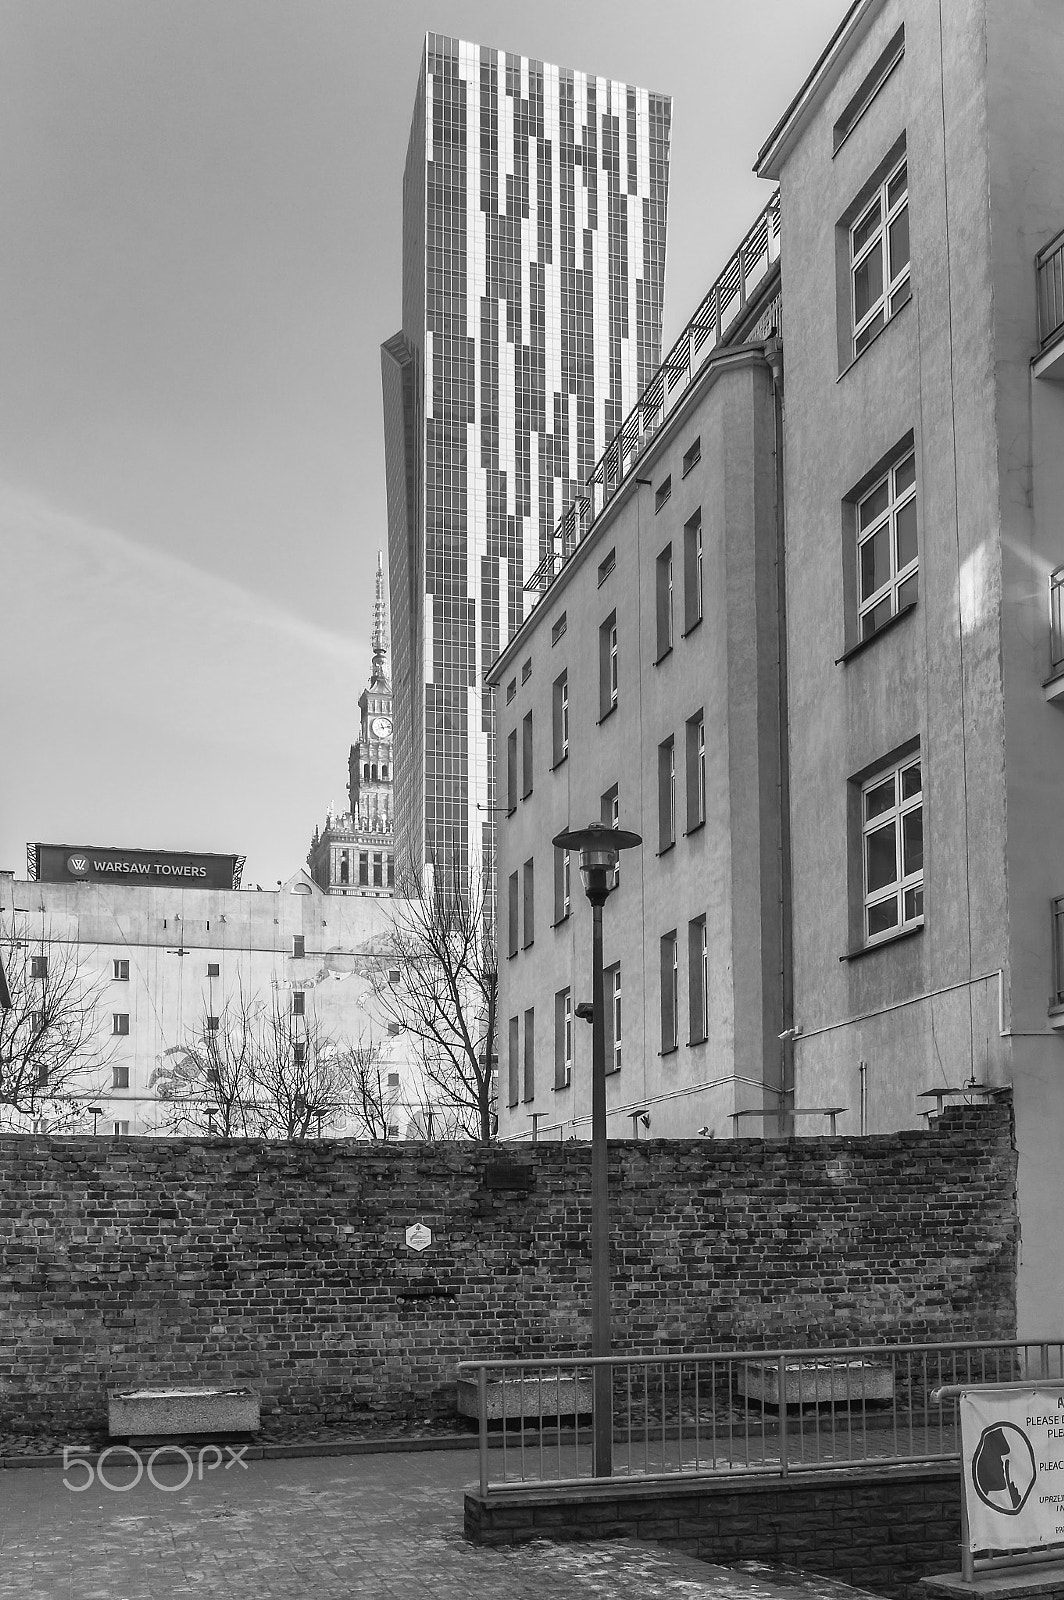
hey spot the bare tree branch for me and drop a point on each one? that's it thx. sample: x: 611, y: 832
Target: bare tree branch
x: 54, y: 1054
x: 436, y: 979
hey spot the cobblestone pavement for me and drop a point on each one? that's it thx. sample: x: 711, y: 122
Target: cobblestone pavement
x: 385, y: 1527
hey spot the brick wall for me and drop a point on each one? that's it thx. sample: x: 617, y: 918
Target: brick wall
x: 285, y: 1266
x: 879, y: 1530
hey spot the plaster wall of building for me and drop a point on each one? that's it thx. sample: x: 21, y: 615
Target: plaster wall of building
x: 265, y: 944
x: 962, y: 997
x: 711, y: 466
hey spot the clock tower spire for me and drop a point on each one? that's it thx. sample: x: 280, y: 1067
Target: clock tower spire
x: 356, y: 854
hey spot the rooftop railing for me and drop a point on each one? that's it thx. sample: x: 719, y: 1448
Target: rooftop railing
x: 727, y: 1413
x: 727, y: 299
x: 1049, y: 266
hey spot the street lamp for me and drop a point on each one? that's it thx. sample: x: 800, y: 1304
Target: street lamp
x: 600, y: 847
x: 94, y: 1112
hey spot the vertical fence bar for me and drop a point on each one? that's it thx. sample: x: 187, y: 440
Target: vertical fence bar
x: 482, y: 1416
x: 782, y: 1380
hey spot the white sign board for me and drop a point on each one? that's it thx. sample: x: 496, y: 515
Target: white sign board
x: 1012, y: 1453
x: 419, y: 1237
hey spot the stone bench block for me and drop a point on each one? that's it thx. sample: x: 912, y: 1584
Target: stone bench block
x: 159, y: 1411
x: 545, y: 1399
x: 813, y: 1383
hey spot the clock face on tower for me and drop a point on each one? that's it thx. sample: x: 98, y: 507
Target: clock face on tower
x: 381, y: 727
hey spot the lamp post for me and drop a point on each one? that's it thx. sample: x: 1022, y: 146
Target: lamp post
x: 600, y: 847
x: 94, y: 1112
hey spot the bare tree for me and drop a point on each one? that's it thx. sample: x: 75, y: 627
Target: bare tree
x: 436, y: 979
x: 261, y: 1070
x: 206, y: 1084
x: 53, y: 1051
x: 370, y: 1107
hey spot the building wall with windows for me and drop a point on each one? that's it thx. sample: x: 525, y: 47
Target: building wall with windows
x: 924, y: 475
x: 169, y: 959
x: 642, y: 692
x: 534, y: 217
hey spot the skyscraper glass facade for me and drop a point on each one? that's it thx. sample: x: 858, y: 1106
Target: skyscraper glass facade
x: 534, y: 214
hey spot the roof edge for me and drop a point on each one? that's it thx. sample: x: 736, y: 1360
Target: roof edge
x: 849, y: 33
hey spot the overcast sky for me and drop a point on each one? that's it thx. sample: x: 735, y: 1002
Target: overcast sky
x: 199, y: 259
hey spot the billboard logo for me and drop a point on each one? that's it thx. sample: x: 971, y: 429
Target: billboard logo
x: 78, y: 866
x: 1003, y: 1468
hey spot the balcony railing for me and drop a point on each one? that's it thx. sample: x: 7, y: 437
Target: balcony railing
x: 1049, y: 266
x: 764, y: 1413
x: 727, y: 298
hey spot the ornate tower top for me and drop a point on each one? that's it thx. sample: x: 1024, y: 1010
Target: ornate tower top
x: 380, y: 628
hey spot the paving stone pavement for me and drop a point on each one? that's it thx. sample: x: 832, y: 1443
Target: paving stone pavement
x: 385, y: 1527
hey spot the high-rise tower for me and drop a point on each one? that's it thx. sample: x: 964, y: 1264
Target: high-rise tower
x: 355, y: 852
x: 534, y: 211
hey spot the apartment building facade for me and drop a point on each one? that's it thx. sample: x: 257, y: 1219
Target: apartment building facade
x: 642, y: 692
x: 164, y: 964
x: 922, y: 674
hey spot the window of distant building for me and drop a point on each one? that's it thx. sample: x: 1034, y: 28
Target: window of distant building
x: 119, y: 1077
x: 120, y: 1022
x: 120, y: 971
x: 514, y: 1062
x: 526, y: 756
x: 511, y: 771
x: 663, y: 587
x: 563, y: 1038
x: 608, y: 678
x: 530, y: 1054
x: 562, y: 882
x: 666, y: 794
x: 528, y: 897
x: 693, y: 601
x: 670, y: 997
x: 698, y: 978
x: 612, y: 989
x: 561, y: 719
x: 513, y: 906
x: 696, y: 771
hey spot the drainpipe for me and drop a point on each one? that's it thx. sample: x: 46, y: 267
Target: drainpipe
x: 774, y: 356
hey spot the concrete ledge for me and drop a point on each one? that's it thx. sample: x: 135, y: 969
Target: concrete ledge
x: 155, y: 1412
x: 999, y: 1582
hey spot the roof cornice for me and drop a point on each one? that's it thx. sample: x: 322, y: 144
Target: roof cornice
x: 843, y: 42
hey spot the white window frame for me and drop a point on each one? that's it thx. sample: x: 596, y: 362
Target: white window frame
x: 613, y: 662
x: 896, y: 289
x: 613, y: 1000
x: 897, y: 501
x: 904, y: 885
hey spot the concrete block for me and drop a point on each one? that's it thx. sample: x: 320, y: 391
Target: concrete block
x: 812, y: 1383
x: 546, y: 1398
x: 133, y: 1412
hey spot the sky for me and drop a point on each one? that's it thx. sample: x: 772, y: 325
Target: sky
x: 199, y: 260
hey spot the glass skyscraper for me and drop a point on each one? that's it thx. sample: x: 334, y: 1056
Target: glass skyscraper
x: 534, y: 211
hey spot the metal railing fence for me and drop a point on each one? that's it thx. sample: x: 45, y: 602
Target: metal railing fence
x: 725, y: 1413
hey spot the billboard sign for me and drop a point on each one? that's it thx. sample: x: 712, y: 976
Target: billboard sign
x: 153, y: 869
x: 1012, y: 1452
